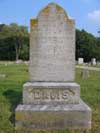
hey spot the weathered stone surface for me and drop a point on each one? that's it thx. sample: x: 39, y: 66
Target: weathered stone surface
x: 51, y: 93
x: 51, y: 99
x: 52, y: 46
x: 74, y: 116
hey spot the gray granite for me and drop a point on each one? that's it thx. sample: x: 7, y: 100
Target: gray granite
x: 51, y: 93
x: 51, y: 98
x: 52, y: 47
x: 48, y: 116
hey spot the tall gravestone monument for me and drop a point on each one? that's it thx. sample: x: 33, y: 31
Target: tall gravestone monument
x: 51, y: 99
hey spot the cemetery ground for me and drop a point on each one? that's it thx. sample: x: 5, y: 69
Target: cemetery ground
x: 11, y: 95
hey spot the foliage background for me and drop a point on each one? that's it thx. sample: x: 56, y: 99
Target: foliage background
x: 14, y: 43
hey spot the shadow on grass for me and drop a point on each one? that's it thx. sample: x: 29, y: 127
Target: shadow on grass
x: 14, y: 97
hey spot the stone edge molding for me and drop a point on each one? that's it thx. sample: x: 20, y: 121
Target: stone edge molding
x: 71, y: 116
x: 51, y: 93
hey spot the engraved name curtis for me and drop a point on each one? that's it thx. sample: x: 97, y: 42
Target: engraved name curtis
x: 50, y: 94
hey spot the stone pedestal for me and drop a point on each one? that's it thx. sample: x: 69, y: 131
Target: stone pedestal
x: 73, y: 116
x: 51, y: 93
x: 52, y: 105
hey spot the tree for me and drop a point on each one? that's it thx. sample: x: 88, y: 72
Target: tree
x: 86, y: 45
x: 14, y: 43
x: 24, y: 53
x: 16, y: 35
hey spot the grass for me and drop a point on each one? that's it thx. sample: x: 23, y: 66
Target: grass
x: 97, y: 66
x: 11, y: 96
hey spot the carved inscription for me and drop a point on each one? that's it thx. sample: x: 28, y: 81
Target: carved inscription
x: 51, y: 94
x: 52, y: 40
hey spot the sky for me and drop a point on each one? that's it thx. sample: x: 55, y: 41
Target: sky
x: 85, y: 12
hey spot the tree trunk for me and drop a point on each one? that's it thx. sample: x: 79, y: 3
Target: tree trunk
x: 17, y: 54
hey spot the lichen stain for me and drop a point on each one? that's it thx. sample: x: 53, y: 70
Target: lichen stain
x: 34, y: 22
x: 46, y: 10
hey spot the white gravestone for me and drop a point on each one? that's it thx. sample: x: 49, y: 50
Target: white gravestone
x: 93, y: 61
x: 51, y: 99
x: 80, y: 61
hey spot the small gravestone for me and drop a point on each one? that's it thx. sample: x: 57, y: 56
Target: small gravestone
x: 80, y: 61
x: 2, y: 75
x: 26, y: 62
x: 51, y: 99
x: 19, y: 61
x: 93, y: 61
x: 98, y: 63
x: 85, y: 73
x: 6, y: 64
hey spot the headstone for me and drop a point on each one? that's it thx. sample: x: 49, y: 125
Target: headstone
x: 6, y: 64
x: 2, y: 75
x: 93, y: 61
x: 80, y: 61
x: 98, y: 63
x: 85, y: 73
x: 19, y: 62
x: 51, y: 99
x: 53, y: 46
x: 26, y: 62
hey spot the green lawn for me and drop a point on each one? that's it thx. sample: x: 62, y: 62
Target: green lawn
x: 97, y: 66
x: 11, y: 95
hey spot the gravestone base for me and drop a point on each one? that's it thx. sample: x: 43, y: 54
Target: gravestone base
x: 53, y: 93
x: 71, y: 116
x: 52, y: 105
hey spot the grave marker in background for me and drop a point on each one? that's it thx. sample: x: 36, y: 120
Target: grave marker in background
x: 93, y: 61
x: 80, y: 61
